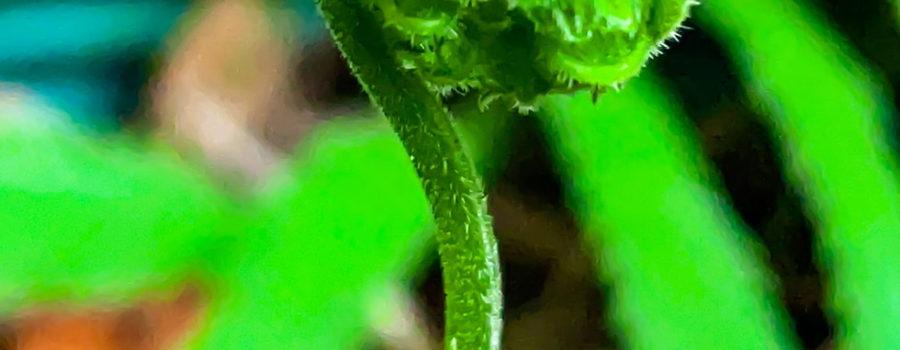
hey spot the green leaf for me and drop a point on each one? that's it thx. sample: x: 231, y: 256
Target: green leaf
x: 88, y: 221
x: 101, y: 223
x: 682, y: 270
x: 338, y: 225
x: 828, y: 112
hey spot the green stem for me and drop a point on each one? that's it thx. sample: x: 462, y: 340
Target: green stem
x: 466, y: 243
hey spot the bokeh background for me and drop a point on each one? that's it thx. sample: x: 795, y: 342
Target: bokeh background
x: 252, y: 100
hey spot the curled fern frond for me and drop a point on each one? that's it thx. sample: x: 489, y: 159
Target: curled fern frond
x: 521, y: 49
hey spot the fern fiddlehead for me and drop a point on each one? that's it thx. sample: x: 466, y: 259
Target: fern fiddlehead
x: 407, y: 53
x: 521, y: 49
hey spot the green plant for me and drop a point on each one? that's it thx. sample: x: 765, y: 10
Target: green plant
x: 102, y: 222
x: 520, y: 50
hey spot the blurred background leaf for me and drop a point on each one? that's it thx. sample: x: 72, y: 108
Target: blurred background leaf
x: 342, y: 222
x: 828, y: 111
x: 673, y: 252
x: 91, y: 221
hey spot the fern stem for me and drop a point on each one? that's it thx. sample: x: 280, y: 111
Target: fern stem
x: 466, y: 244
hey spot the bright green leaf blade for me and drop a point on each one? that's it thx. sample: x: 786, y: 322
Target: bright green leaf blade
x: 347, y: 219
x: 829, y: 112
x: 683, y: 274
x: 98, y: 222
